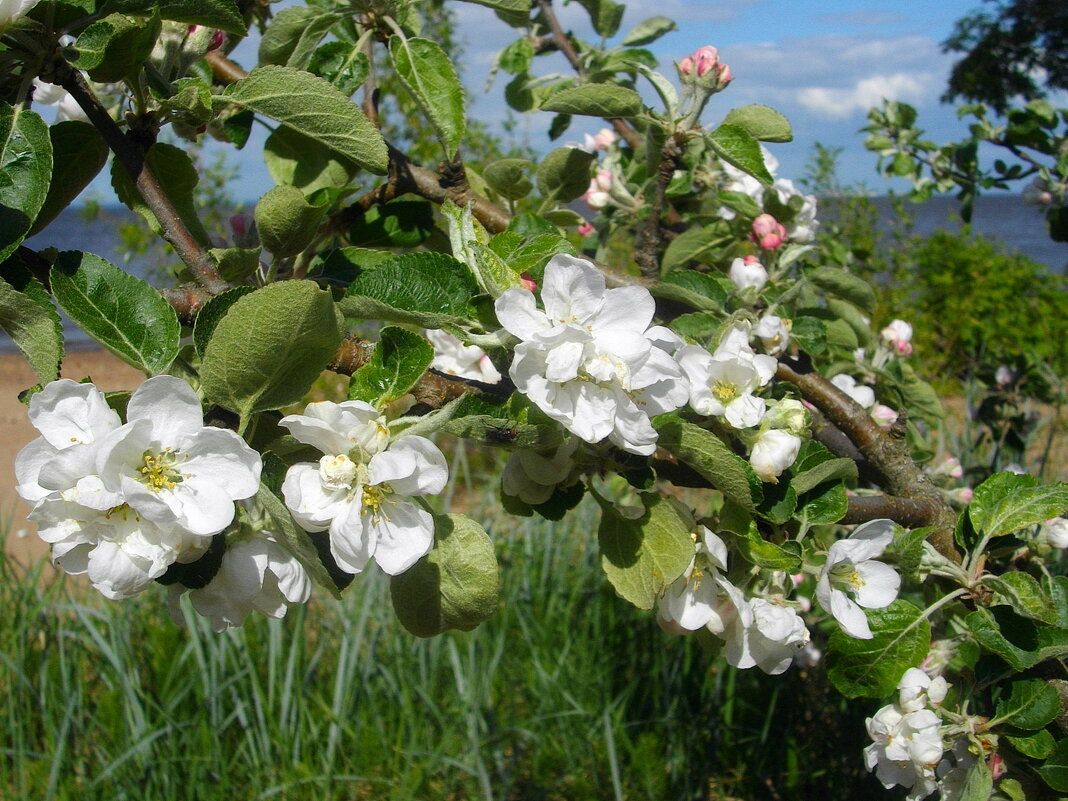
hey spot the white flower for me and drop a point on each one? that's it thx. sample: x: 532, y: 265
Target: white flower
x: 723, y: 383
x: 917, y: 690
x: 770, y: 636
x: 170, y: 467
x: 851, y: 564
x: 257, y: 574
x: 362, y: 487
x: 906, y: 749
x: 860, y: 393
x: 12, y: 10
x: 748, y: 273
x: 1056, y: 532
x: 453, y: 357
x: 1004, y: 376
x: 773, y: 333
x: 48, y: 94
x: 587, y: 360
x: 533, y: 477
x: 774, y: 451
x: 693, y: 601
x: 789, y: 415
x: 898, y: 335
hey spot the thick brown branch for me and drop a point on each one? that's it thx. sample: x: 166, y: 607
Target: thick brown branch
x: 909, y: 512
x: 132, y: 157
x: 888, y: 456
x: 224, y: 70
x: 186, y: 300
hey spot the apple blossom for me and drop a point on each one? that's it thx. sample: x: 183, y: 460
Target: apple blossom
x: 597, y: 195
x: 773, y: 452
x: 851, y: 564
x: 1055, y: 532
x: 693, y: 600
x: 802, y: 228
x: 773, y: 333
x: 769, y: 637
x: 453, y: 357
x: 256, y: 574
x: 907, y: 746
x: 768, y: 233
x: 898, y: 335
x: 917, y: 690
x: 722, y: 383
x: 864, y: 395
x: 361, y: 490
x: 48, y: 94
x: 588, y: 360
x: 170, y: 467
x: 748, y: 273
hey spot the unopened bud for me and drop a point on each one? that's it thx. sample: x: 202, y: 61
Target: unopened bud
x: 768, y: 233
x: 585, y: 229
x: 528, y: 283
x: 705, y: 58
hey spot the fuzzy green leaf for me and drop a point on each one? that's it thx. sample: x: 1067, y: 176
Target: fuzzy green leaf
x: 1031, y: 704
x: 223, y: 14
x: 1021, y: 592
x: 712, y: 459
x: 845, y: 285
x: 509, y: 178
x: 430, y: 289
x: 427, y: 72
x: 314, y: 107
x: 564, y: 174
x: 120, y: 311
x: 738, y: 147
x: 294, y: 33
x: 25, y: 173
x: 595, y: 100
x: 29, y: 318
x: 212, y: 312
x: 298, y: 160
x: 761, y: 122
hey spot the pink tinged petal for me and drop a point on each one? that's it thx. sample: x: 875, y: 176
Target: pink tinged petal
x: 562, y: 362
x: 221, y: 457
x: 412, y: 466
x: 625, y: 309
x: 849, y: 616
x: 67, y: 412
x: 310, y: 504
x: 572, y: 289
x: 171, y: 406
x: 879, y: 587
x: 519, y: 315
x: 402, y: 536
x: 351, y: 542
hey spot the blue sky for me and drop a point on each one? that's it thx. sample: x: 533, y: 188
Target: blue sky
x: 822, y: 64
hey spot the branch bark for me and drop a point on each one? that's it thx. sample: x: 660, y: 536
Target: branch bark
x: 650, y: 236
x: 131, y: 155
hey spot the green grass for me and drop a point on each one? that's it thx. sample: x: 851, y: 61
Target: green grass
x: 566, y: 694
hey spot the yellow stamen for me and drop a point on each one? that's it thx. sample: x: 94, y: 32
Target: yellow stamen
x: 159, y: 472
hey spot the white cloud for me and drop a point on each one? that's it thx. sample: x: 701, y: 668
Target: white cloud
x: 865, y: 93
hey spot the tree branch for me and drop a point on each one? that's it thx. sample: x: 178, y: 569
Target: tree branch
x: 909, y: 512
x: 131, y: 155
x: 650, y: 236
x: 888, y: 456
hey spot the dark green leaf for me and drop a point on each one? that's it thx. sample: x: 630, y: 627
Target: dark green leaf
x: 115, y: 48
x: 293, y: 35
x: 223, y: 14
x: 398, y: 224
x: 1022, y: 643
x: 1021, y: 592
x: 872, y: 668
x: 845, y: 285
x: 79, y: 153
x: 1055, y: 769
x: 737, y: 147
x: 298, y: 160
x: 342, y: 64
x: 698, y: 290
x: 509, y: 178
x: 1009, y: 504
x: 25, y: 171
x: 212, y: 312
x: 430, y: 289
x: 120, y: 311
x: 691, y: 245
x: 399, y: 359
x: 1037, y: 746
x: 1031, y: 704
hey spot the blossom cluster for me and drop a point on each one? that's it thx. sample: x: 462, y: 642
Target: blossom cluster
x: 769, y: 233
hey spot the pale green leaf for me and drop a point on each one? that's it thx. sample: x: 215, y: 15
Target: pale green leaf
x: 845, y: 285
x: 293, y: 35
x: 737, y: 147
x: 28, y: 317
x: 427, y: 72
x: 294, y: 539
x: 595, y: 100
x: 298, y: 160
x: 761, y: 122
x: 649, y: 30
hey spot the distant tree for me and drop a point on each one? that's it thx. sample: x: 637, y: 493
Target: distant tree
x: 1015, y: 49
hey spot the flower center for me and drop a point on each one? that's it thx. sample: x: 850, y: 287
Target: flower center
x: 337, y: 472
x: 122, y: 511
x: 847, y: 575
x: 159, y: 472
x: 724, y: 391
x: 374, y: 496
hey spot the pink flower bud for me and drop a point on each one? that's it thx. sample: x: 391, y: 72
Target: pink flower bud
x: 768, y: 232
x: 962, y: 495
x: 725, y: 75
x: 217, y: 40
x: 883, y: 415
x: 528, y: 283
x: 898, y: 335
x: 953, y: 467
x: 239, y: 225
x: 997, y: 766
x: 705, y: 58
x: 1004, y: 376
x: 585, y: 229
x: 604, y: 138
x: 686, y: 65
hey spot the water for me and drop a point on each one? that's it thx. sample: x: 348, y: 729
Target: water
x: 1002, y: 218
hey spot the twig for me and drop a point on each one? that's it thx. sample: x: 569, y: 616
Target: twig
x: 887, y: 455
x: 650, y: 236
x: 132, y: 157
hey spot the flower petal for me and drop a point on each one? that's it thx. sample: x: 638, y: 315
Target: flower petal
x: 402, y: 537
x: 170, y: 404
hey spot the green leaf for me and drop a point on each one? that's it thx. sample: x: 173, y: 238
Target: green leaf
x: 25, y: 171
x: 761, y: 122
x: 223, y: 14
x: 697, y: 290
x: 115, y: 48
x: 120, y: 311
x: 427, y: 72
x: 845, y: 285
x: 1031, y: 704
x: 178, y: 177
x: 79, y: 153
x: 314, y: 107
x: 397, y: 224
x: 1020, y: 642
x: 1037, y: 746
x: 1054, y: 771
x: 286, y: 221
x: 510, y: 6
x: 872, y: 668
x: 605, y: 16
x: 1007, y: 504
x: 294, y: 539
x: 643, y: 557
x: 399, y: 359
x: 508, y: 178
x: 294, y: 33
x: 691, y: 245
x: 236, y: 264
x: 28, y: 317
x: 429, y: 289
x: 455, y: 586
x: 341, y: 63
x: 758, y: 551
x: 529, y: 254
x: 736, y: 146
x: 914, y: 393
x: 978, y: 783
x: 595, y: 100
x: 298, y: 160
x: 823, y: 506
x: 1021, y: 592
x: 649, y: 30
x: 815, y: 465
x: 564, y: 174
x: 711, y: 458
x: 212, y: 312
x: 269, y: 347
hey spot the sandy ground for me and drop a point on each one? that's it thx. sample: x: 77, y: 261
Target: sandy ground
x: 106, y: 371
